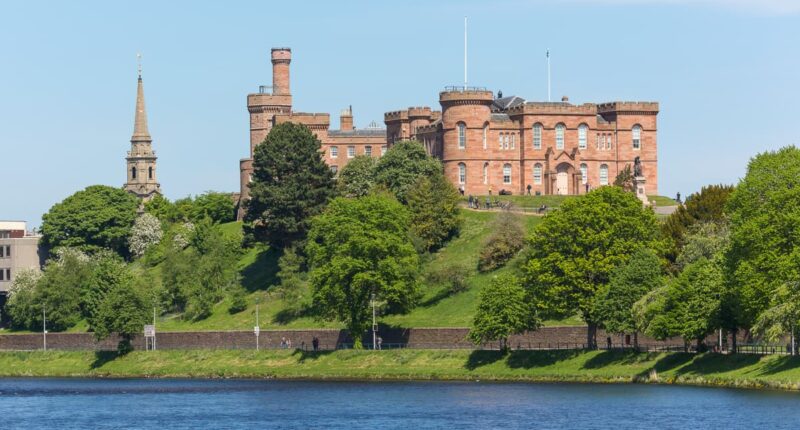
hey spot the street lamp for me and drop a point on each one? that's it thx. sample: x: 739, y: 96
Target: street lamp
x: 374, y: 325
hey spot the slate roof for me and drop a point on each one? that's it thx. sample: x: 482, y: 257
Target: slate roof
x: 504, y: 103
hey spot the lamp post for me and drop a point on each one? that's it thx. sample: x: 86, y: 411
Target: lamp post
x: 374, y: 326
x: 44, y: 327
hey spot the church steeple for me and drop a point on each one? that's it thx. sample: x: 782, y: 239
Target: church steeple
x: 141, y: 159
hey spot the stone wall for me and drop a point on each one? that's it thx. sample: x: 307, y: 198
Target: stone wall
x: 434, y: 338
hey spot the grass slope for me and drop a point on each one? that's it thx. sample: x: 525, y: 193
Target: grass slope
x: 574, y: 366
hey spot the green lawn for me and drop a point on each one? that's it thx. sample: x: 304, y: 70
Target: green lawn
x: 662, y: 200
x: 595, y: 366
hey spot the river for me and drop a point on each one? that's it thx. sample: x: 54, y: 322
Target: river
x: 262, y: 404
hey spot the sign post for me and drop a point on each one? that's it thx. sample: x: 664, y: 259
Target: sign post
x: 150, y: 337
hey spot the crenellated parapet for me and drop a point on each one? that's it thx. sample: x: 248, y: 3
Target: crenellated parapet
x: 628, y: 108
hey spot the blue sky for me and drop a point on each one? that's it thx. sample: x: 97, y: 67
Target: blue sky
x: 726, y: 72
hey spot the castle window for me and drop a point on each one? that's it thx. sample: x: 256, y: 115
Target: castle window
x: 368, y: 151
x: 383, y: 149
x: 608, y: 141
x: 462, y: 135
x: 133, y: 172
x: 599, y: 139
x: 485, y: 135
x: 637, y: 136
x: 582, y: 130
x: 462, y: 173
x: 334, y: 151
x: 584, y: 173
x: 560, y: 136
x: 603, y: 174
x: 537, y: 173
x: 537, y: 136
x: 485, y: 173
x: 351, y: 151
x: 513, y: 140
x: 501, y: 140
x: 506, y: 173
x: 150, y: 173
x: 335, y: 170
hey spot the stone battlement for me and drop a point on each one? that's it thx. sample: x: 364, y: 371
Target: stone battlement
x: 452, y: 95
x: 628, y: 107
x: 263, y: 99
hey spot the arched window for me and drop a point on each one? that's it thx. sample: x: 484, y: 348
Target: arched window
x: 150, y: 172
x: 603, y: 174
x: 560, y: 136
x: 537, y: 136
x: 133, y: 172
x: 485, y: 173
x: 485, y: 135
x: 500, y: 140
x: 584, y: 173
x: 506, y: 173
x: 636, y: 133
x: 462, y: 173
x: 537, y: 173
x: 462, y: 135
x: 582, y: 132
x: 513, y: 140
x: 505, y: 141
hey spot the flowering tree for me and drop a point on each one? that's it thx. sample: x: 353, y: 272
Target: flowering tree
x: 145, y: 233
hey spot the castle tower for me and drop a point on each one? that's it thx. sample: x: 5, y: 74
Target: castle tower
x: 465, y: 113
x: 141, y: 160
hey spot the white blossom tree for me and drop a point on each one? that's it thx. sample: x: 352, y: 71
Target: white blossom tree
x: 145, y: 233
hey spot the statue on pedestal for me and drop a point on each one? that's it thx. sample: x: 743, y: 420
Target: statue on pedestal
x: 637, y: 167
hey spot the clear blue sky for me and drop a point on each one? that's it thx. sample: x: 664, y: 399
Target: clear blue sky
x: 726, y: 72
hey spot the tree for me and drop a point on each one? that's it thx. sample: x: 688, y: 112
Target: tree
x: 161, y: 208
x: 624, y: 179
x: 503, y: 310
x: 106, y: 272
x: 22, y: 306
x: 506, y: 240
x: 145, y: 233
x: 357, y: 178
x: 690, y: 305
x: 708, y: 205
x: 99, y: 217
x: 124, y: 311
x: 703, y: 240
x: 574, y: 250
x: 627, y: 285
x: 782, y: 317
x: 219, y: 207
x: 402, y: 165
x: 765, y: 248
x: 291, y: 184
x: 358, y: 248
x: 433, y: 202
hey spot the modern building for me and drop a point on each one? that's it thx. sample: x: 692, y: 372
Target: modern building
x: 273, y: 105
x: 19, y: 250
x: 141, y: 159
x: 491, y: 143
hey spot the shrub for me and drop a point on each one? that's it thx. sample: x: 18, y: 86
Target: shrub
x: 506, y: 240
x: 454, y: 276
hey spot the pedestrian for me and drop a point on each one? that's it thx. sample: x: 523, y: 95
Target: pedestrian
x: 529, y: 189
x: 283, y: 343
x: 380, y: 342
x: 608, y: 341
x: 461, y: 190
x: 488, y: 201
x: 315, y: 344
x: 289, y: 343
x: 469, y: 200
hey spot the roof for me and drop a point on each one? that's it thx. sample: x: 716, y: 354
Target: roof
x: 507, y: 102
x: 366, y: 132
x: 500, y: 117
x: 12, y: 225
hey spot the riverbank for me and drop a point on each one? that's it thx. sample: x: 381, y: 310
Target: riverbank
x: 748, y: 371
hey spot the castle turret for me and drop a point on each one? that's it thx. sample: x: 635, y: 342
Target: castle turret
x: 141, y: 159
x: 465, y: 111
x: 281, y: 58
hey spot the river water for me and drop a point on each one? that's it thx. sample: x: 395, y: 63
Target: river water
x: 250, y: 404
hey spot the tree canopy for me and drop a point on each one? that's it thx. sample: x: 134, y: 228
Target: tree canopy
x: 359, y: 247
x: 433, y: 202
x: 291, y: 184
x: 357, y: 177
x: 98, y: 217
x: 402, y: 165
x: 575, y: 249
x: 503, y: 310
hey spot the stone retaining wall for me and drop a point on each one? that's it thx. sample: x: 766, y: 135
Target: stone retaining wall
x: 545, y: 338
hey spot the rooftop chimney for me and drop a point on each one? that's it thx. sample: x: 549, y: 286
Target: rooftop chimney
x: 346, y: 119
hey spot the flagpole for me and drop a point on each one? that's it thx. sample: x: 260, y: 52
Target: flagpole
x: 548, y: 74
x: 465, y: 53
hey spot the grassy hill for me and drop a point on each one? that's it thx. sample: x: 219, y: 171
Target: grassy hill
x: 438, y: 308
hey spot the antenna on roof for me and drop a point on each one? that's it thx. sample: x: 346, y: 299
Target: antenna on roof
x: 465, y: 53
x: 548, y: 74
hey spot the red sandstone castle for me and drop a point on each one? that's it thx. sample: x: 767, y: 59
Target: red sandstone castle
x: 486, y: 143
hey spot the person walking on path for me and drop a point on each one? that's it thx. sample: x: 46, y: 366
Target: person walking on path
x: 469, y: 201
x: 315, y: 343
x: 529, y: 189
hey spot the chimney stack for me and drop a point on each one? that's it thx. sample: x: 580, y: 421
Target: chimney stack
x: 346, y: 119
x: 281, y: 57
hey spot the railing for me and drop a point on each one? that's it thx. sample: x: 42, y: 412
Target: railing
x: 462, y: 88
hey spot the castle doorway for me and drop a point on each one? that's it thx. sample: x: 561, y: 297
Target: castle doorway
x: 562, y: 179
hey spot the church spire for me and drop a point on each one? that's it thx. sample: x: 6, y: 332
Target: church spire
x: 140, y: 132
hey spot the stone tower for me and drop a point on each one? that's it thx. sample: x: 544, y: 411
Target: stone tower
x: 141, y: 159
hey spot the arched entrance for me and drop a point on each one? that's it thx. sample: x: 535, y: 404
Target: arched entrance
x: 563, y: 172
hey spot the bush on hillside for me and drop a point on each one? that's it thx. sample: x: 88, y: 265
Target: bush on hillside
x: 506, y: 240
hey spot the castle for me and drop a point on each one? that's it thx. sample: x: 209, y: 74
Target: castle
x: 487, y: 143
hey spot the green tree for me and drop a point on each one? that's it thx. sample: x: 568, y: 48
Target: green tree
x: 124, y: 311
x: 506, y: 240
x: 703, y: 240
x: 624, y: 179
x: 357, y: 248
x: 574, y: 250
x: 503, y: 310
x: 99, y: 217
x: 627, y: 285
x: 764, y: 213
x: 23, y: 307
x: 161, y: 208
x: 690, y: 305
x: 357, y: 178
x: 219, y: 207
x: 402, y: 165
x: 708, y: 205
x: 433, y: 202
x: 291, y: 184
x: 106, y: 271
x: 782, y: 317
